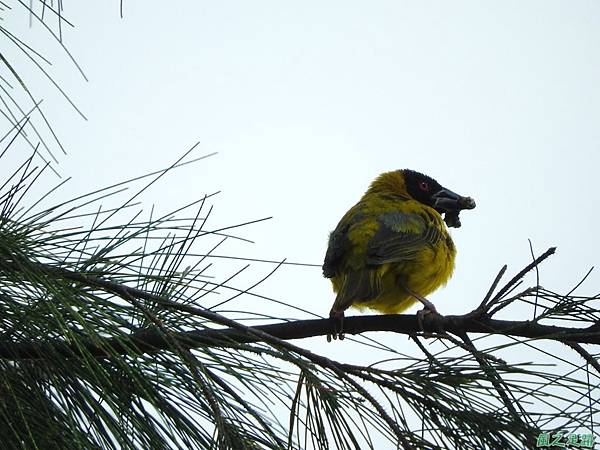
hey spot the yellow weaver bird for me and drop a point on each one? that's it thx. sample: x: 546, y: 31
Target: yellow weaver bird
x: 392, y: 248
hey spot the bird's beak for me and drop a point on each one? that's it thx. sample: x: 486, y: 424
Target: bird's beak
x: 450, y: 203
x: 446, y: 201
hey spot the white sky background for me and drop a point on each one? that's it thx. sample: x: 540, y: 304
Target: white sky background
x: 306, y: 102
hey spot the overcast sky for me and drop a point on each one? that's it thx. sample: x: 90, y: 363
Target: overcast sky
x: 306, y: 102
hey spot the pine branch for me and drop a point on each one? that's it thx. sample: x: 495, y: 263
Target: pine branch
x: 155, y: 339
x: 152, y: 340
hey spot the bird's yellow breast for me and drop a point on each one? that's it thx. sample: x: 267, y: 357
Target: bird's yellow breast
x: 431, y: 270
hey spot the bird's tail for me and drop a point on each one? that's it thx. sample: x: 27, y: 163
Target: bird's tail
x: 354, y: 287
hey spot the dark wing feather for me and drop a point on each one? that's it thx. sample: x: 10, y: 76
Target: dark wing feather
x: 400, y: 237
x: 338, y: 244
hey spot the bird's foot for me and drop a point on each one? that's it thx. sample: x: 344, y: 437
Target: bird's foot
x: 428, y: 308
x: 337, y: 324
x: 422, y: 313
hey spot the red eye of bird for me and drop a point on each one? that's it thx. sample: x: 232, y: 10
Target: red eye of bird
x: 424, y: 186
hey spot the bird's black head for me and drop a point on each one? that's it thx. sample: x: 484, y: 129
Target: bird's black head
x: 431, y: 193
x: 421, y: 187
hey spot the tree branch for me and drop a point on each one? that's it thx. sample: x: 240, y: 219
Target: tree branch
x: 153, y: 340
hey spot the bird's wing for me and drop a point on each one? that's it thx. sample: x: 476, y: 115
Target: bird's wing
x: 339, y: 244
x: 400, y: 237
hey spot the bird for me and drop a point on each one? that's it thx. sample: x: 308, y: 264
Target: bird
x: 393, y: 248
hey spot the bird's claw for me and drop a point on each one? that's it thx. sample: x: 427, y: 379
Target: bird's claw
x: 337, y: 324
x: 422, y: 313
x: 428, y: 307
